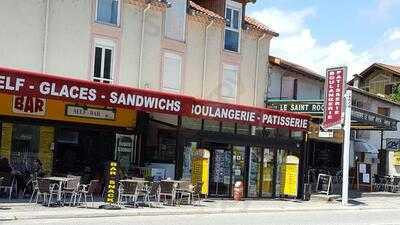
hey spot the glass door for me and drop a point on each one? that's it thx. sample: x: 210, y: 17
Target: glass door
x: 267, y: 173
x: 255, y: 159
x: 238, y: 164
x: 220, y: 172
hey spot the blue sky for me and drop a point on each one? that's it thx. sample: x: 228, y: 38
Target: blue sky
x: 323, y: 33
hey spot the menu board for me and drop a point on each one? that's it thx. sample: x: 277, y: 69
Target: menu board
x: 364, y: 180
x: 324, y: 183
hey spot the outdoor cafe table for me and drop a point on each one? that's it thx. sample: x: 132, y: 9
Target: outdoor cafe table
x: 61, y: 181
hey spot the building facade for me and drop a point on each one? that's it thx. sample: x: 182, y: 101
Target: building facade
x: 207, y: 52
x: 377, y: 83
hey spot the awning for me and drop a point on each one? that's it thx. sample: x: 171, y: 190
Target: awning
x: 24, y: 83
x: 361, y: 119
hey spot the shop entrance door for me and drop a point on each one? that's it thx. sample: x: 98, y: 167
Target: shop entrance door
x: 220, y: 171
x: 261, y: 169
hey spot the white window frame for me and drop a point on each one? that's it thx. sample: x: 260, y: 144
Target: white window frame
x: 173, y: 56
x: 105, y: 23
x: 183, y: 38
x: 234, y: 6
x: 104, y: 44
x: 230, y: 67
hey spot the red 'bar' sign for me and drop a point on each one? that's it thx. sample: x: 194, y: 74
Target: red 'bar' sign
x: 335, y: 83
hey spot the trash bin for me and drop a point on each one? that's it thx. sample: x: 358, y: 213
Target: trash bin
x: 238, y: 191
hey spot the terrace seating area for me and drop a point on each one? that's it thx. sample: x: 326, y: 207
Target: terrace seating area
x: 70, y: 191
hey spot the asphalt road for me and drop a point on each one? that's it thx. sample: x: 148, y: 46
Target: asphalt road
x: 350, y: 217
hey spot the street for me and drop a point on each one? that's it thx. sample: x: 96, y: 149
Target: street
x: 351, y: 217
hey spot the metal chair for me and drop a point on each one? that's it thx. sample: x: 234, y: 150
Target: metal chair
x: 87, y: 190
x: 185, y: 190
x: 46, y: 188
x: 168, y: 189
x: 127, y: 190
x: 197, y: 192
x: 8, y: 184
x: 71, y: 188
x: 153, y: 192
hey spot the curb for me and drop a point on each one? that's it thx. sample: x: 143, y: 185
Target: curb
x: 177, y: 213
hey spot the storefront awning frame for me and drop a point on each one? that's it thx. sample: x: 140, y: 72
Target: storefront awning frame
x: 19, y: 82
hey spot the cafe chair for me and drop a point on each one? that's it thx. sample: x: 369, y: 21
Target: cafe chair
x: 153, y: 193
x: 71, y: 188
x: 8, y: 184
x: 46, y: 189
x: 168, y: 189
x: 185, y: 190
x: 87, y: 191
x: 128, y: 191
x: 197, y: 193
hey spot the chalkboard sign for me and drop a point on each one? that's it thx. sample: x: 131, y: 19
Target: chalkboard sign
x: 324, y: 183
x: 364, y: 176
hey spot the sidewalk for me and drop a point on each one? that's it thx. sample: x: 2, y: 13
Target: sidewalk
x: 24, y: 211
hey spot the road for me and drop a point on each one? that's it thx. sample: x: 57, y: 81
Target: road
x: 350, y: 217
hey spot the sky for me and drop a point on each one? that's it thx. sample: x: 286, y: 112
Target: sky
x: 324, y: 33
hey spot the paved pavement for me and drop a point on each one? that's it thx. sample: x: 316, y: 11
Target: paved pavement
x: 349, y: 217
x: 20, y: 212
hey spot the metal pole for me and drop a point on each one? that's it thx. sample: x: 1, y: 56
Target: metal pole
x: 346, y: 148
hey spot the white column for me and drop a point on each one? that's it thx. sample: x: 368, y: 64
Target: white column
x: 346, y: 148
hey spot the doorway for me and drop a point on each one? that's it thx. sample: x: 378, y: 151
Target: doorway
x: 220, y: 170
x: 261, y: 172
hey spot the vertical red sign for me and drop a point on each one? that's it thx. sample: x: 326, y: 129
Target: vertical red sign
x: 335, y: 83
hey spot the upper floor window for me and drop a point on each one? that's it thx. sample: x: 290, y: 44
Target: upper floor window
x: 108, y: 11
x: 384, y: 111
x: 229, y: 81
x: 103, y: 65
x: 175, y: 20
x: 233, y: 16
x: 172, y: 72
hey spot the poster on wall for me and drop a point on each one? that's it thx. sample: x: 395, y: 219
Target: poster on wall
x: 218, y: 175
x: 124, y: 150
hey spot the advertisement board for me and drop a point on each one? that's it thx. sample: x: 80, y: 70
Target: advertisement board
x: 335, y: 84
x: 24, y: 83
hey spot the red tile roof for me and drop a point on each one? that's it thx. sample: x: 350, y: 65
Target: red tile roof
x: 251, y: 22
x: 205, y: 11
x: 255, y: 24
x: 392, y: 68
x: 295, y: 67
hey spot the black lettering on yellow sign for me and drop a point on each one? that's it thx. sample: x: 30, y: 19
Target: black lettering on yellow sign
x: 111, y: 194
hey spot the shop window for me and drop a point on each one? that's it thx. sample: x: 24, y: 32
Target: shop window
x: 172, y: 72
x: 108, y: 12
x: 229, y: 82
x: 187, y: 159
x: 25, y: 146
x: 191, y: 123
x: 175, y: 20
x: 362, y: 134
x: 243, y: 129
x: 103, y: 65
x: 211, y: 125
x: 233, y: 18
x: 228, y: 127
